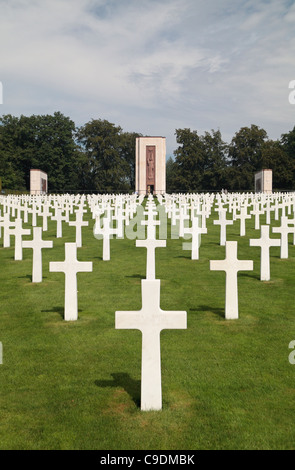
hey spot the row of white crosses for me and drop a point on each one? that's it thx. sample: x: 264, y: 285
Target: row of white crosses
x: 103, y: 211
x: 150, y: 320
x: 70, y: 266
x: 231, y: 265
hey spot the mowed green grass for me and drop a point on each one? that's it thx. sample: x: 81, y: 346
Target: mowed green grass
x: 226, y: 384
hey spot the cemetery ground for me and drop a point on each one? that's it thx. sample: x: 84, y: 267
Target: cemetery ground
x: 226, y: 384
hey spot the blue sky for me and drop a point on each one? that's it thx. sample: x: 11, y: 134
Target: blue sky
x: 151, y: 66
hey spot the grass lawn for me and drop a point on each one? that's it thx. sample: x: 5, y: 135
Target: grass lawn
x: 226, y: 384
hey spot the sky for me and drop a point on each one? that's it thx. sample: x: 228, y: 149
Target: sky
x: 151, y: 66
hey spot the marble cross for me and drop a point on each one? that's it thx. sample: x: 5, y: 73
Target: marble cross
x: 45, y: 214
x: 37, y: 244
x: 150, y: 320
x: 7, y: 225
x: 70, y: 266
x: 195, y: 230
x: 34, y: 214
x: 243, y: 216
x: 18, y: 231
x: 107, y: 232
x: 284, y: 230
x: 231, y: 265
x: 264, y: 242
x: 256, y: 212
x: 119, y: 217
x: 223, y: 222
x: 150, y: 244
x: 182, y: 217
x: 78, y: 223
x: 151, y: 223
x: 59, y: 218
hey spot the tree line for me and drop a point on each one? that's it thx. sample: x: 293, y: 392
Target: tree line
x: 99, y: 156
x: 206, y: 162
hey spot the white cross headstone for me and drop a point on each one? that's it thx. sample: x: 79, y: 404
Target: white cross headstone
x: 78, y: 223
x: 34, y: 214
x: 151, y: 223
x: 284, y: 230
x: 120, y: 217
x: 18, y: 232
x: 150, y: 244
x: 70, y: 266
x: 7, y: 225
x: 265, y: 243
x: 268, y: 210
x: 59, y: 219
x: 150, y: 320
x: 37, y: 244
x: 182, y: 217
x: 243, y: 216
x: 223, y: 222
x: 231, y: 265
x: 45, y: 214
x: 107, y: 232
x: 256, y: 212
x: 195, y: 230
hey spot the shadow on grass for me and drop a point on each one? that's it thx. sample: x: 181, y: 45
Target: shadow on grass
x: 59, y: 310
x: 253, y: 276
x: 123, y: 380
x: 28, y: 276
x: 137, y: 276
x: 206, y: 308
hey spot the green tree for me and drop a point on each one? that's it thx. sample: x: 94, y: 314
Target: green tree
x: 110, y: 156
x: 44, y: 142
x: 189, y: 161
x: 288, y: 145
x: 216, y: 150
x: 200, y: 161
x: 127, y: 150
x: 170, y: 172
x: 10, y: 154
x: 275, y: 158
x: 245, y: 154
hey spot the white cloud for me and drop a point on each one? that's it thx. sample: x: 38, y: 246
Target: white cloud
x: 151, y: 66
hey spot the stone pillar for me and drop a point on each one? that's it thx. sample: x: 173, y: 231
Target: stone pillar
x: 263, y: 181
x: 38, y: 182
x: 150, y: 165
